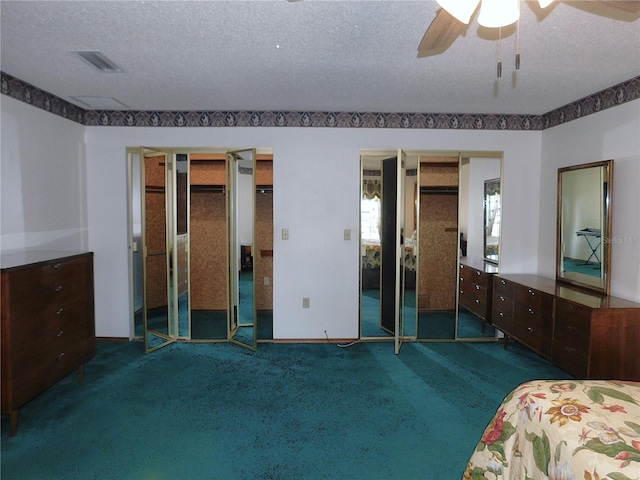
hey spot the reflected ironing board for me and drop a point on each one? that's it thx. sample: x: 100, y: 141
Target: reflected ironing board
x: 592, y: 237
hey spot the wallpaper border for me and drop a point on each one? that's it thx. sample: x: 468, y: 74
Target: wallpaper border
x: 597, y: 102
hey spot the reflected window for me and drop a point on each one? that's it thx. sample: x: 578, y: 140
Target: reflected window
x: 370, y: 220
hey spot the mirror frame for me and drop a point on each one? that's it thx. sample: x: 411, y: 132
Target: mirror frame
x: 581, y: 280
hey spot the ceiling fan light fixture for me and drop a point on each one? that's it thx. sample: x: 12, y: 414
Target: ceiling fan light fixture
x: 460, y: 9
x: 498, y: 13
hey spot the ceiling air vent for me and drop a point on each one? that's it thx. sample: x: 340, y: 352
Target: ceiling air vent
x: 98, y: 61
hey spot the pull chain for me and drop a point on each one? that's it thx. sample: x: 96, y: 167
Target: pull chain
x: 518, y: 45
x: 499, y: 69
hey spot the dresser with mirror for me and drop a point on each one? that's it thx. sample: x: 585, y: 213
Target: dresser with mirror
x: 572, y: 320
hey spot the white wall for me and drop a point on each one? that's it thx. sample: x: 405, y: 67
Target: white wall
x: 611, y: 134
x: 316, y: 196
x: 42, y: 171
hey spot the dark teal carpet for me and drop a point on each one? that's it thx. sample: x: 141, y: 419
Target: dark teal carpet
x: 580, y: 266
x: 287, y: 411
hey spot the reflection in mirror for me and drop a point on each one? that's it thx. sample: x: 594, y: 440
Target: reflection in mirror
x: 263, y: 251
x: 492, y: 220
x: 584, y: 225
x: 438, y: 243
x: 179, y: 239
x: 370, y: 247
x: 135, y: 188
x: 378, y: 300
x: 480, y: 218
x: 242, y: 240
x: 410, y: 245
x: 376, y: 199
x: 208, y: 250
x: 159, y: 326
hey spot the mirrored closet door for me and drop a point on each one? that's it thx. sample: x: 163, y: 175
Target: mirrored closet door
x: 242, y: 201
x: 387, y: 288
x: 194, y: 247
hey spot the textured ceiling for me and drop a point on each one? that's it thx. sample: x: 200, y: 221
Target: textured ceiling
x: 312, y: 55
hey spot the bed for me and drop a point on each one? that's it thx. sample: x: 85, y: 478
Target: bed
x: 563, y: 429
x: 371, y: 260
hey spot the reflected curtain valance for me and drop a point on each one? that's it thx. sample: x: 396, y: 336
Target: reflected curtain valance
x: 371, y: 188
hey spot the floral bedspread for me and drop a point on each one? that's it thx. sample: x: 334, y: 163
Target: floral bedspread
x: 562, y: 430
x: 372, y: 257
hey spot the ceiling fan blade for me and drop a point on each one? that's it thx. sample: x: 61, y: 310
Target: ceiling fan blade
x: 631, y: 6
x: 442, y: 32
x: 626, y: 10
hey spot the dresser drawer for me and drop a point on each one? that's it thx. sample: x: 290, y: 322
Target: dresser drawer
x: 52, y: 366
x: 502, y: 313
x: 465, y: 274
x: 533, y: 299
x: 532, y: 332
x: 572, y: 326
x: 533, y: 323
x: 571, y: 360
x: 503, y: 287
x: 473, y: 275
x: 480, y: 277
x: 478, y: 297
x: 29, y: 326
x: 35, y: 338
x: 54, y: 285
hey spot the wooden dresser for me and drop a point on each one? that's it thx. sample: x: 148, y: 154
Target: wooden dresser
x: 587, y: 334
x: 476, y: 287
x: 48, y: 325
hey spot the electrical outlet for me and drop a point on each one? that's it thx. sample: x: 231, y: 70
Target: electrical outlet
x: 266, y: 281
x: 305, y: 302
x: 285, y: 234
x: 347, y: 234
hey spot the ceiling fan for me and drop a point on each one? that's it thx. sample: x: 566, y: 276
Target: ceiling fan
x: 452, y: 19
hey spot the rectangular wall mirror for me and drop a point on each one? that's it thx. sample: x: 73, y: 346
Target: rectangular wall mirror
x: 583, y: 252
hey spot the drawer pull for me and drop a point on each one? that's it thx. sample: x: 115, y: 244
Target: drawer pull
x: 478, y: 272
x: 571, y: 327
x: 477, y: 301
x: 531, y: 311
x: 503, y: 282
x: 60, y: 355
x: 58, y: 288
x: 501, y: 298
x: 531, y: 330
x: 59, y: 311
x: 569, y: 349
x: 501, y: 314
x: 60, y: 333
x: 532, y: 293
x: 477, y: 287
x: 461, y: 279
x: 57, y: 265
